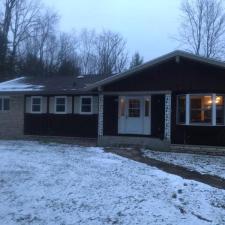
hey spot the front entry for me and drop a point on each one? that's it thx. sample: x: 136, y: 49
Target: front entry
x: 134, y: 115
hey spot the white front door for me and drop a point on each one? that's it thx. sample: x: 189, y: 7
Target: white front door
x: 134, y: 115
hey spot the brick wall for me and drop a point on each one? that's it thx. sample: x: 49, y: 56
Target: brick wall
x: 12, y: 122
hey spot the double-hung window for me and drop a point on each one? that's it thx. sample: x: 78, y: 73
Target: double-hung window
x: 36, y: 104
x: 201, y: 109
x: 60, y: 105
x: 86, y: 104
x: 4, y: 104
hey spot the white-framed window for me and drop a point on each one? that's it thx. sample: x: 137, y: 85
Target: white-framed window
x: 201, y: 109
x: 36, y: 104
x: 4, y: 104
x: 60, y: 105
x: 86, y: 104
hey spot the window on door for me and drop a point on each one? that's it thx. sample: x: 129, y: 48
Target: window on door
x: 122, y: 107
x: 147, y: 107
x: 134, y: 108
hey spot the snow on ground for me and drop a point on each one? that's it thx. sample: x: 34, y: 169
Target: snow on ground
x: 205, y: 164
x: 55, y: 184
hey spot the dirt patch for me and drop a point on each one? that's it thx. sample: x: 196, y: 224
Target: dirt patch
x: 136, y: 154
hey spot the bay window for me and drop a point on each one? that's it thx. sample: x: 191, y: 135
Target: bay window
x: 200, y: 109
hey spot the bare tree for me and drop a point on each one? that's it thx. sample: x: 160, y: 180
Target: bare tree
x: 67, y: 61
x: 87, y: 52
x: 24, y: 18
x: 46, y: 27
x: 8, y: 6
x: 30, y: 43
x: 111, y: 53
x: 42, y: 43
x: 203, y: 27
x: 214, y: 29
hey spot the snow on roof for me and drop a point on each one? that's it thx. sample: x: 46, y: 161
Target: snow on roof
x: 18, y: 84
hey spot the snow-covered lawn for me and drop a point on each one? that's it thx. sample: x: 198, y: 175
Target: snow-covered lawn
x: 55, y: 184
x: 205, y: 164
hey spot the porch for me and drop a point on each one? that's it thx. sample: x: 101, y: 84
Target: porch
x: 138, y: 119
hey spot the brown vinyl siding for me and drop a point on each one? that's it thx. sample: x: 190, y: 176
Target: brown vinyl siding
x: 110, y: 115
x: 68, y: 125
x: 71, y: 124
x: 186, y: 76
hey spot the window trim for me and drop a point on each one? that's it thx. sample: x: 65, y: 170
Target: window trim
x: 2, y: 98
x: 188, y: 110
x: 86, y: 113
x: 66, y: 102
x: 41, y: 102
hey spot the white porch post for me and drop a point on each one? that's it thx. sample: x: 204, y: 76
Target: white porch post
x: 168, y: 110
x: 100, y: 115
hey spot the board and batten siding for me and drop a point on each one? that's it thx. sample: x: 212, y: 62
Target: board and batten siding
x: 69, y: 124
x: 69, y: 100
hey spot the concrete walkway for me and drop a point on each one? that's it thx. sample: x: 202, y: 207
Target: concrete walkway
x: 136, y: 154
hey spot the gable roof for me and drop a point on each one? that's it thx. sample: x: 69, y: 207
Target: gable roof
x: 154, y: 62
x: 51, y: 84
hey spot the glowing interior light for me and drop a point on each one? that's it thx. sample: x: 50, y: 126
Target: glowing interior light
x: 218, y: 100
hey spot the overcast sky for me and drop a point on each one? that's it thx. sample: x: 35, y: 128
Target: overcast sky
x: 147, y: 25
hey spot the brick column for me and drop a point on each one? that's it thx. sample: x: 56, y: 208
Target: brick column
x: 100, y: 115
x: 167, y: 132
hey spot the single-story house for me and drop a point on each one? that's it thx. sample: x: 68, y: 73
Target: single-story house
x: 175, y: 99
